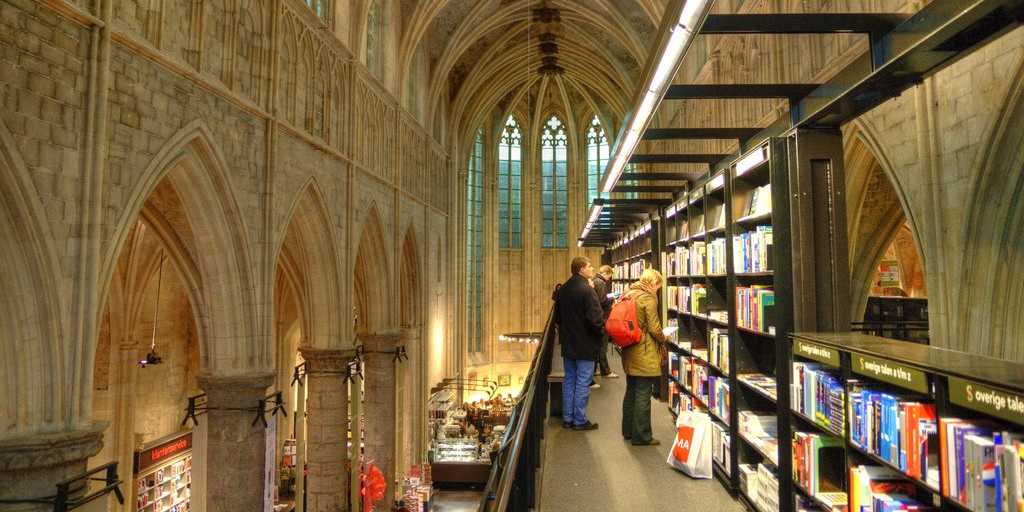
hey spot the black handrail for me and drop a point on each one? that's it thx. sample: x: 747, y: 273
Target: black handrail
x: 512, y: 485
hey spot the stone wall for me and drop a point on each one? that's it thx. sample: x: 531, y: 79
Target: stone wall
x: 220, y: 123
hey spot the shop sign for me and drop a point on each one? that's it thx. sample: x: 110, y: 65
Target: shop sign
x: 162, y: 452
x: 992, y: 401
x: 816, y: 352
x: 891, y: 372
x: 889, y: 274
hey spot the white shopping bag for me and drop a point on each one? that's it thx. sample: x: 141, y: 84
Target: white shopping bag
x: 691, y: 451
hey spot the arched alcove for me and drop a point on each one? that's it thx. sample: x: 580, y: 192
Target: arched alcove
x: 31, y: 339
x: 877, y: 225
x: 412, y: 426
x: 371, y: 279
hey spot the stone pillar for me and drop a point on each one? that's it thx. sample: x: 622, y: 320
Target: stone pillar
x: 31, y: 466
x: 123, y: 424
x: 327, y: 486
x: 236, y: 449
x: 379, y: 374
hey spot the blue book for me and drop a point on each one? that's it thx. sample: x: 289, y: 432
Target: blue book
x: 961, y: 477
x: 885, y: 432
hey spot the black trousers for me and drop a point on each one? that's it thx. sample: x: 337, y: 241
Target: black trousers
x: 602, y: 359
x: 636, y: 408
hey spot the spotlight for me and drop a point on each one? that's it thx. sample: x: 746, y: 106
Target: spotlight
x: 151, y: 358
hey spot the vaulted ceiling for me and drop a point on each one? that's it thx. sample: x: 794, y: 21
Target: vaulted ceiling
x: 531, y: 56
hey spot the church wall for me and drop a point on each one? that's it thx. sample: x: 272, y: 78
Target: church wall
x: 217, y: 69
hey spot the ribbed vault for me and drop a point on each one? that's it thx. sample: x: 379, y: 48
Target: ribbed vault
x: 488, y: 55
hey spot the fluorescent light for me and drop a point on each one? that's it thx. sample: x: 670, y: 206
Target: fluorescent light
x: 579, y: 243
x: 665, y: 71
x: 717, y: 183
x: 752, y: 160
x: 671, y: 212
x: 586, y: 231
x: 613, y: 174
x: 643, y: 113
x: 595, y: 212
x: 692, y: 11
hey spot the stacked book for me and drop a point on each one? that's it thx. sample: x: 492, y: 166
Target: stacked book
x: 761, y: 430
x: 718, y: 348
x: 767, y: 498
x: 813, y: 455
x: 752, y: 251
x: 818, y: 395
x: 754, y: 306
x: 762, y: 382
x: 698, y: 296
x: 671, y: 263
x: 898, y: 430
x: 672, y: 292
x: 698, y: 258
x: 636, y: 268
x: 717, y: 397
x: 983, y: 465
x: 881, y: 489
x: 716, y: 256
x: 720, y: 441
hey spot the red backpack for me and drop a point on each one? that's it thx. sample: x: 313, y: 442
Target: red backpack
x: 622, y: 325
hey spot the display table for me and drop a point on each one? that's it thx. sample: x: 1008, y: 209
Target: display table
x: 460, y: 473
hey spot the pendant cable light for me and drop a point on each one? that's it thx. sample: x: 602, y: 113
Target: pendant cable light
x: 152, y: 357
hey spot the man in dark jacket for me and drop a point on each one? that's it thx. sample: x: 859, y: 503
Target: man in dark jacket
x: 580, y: 326
x: 603, y: 286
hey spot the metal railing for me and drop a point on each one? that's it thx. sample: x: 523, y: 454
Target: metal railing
x: 512, y: 486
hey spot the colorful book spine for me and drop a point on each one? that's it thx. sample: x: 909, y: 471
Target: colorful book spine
x: 754, y: 307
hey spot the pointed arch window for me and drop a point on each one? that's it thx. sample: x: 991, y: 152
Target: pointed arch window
x: 554, y: 152
x: 510, y: 185
x: 322, y: 8
x: 474, y: 245
x: 597, y: 159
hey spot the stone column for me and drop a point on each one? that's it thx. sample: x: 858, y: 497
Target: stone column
x: 236, y: 449
x: 327, y: 486
x: 379, y: 374
x: 31, y: 466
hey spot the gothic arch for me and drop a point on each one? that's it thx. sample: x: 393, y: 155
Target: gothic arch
x: 876, y: 209
x: 371, y: 284
x: 306, y: 249
x: 994, y: 238
x: 32, y: 350
x: 411, y: 312
x: 212, y: 236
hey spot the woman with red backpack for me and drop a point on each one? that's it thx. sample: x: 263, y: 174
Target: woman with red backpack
x: 642, y: 360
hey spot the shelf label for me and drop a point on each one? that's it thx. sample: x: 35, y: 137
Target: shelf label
x: 816, y: 352
x: 891, y: 372
x: 992, y: 401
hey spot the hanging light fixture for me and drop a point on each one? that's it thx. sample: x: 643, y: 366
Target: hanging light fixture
x: 152, y: 357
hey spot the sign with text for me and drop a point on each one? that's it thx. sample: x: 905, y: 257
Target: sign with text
x: 985, y: 399
x: 891, y: 372
x: 816, y: 352
x: 162, y: 452
x: 889, y: 274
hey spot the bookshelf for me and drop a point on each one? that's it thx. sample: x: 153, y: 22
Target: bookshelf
x: 966, y: 450
x: 737, y: 277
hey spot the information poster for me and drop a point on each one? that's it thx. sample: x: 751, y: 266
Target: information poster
x: 889, y: 274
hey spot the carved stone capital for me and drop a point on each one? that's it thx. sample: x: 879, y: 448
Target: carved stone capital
x: 382, y: 341
x: 50, y: 450
x: 239, y: 390
x: 326, y: 359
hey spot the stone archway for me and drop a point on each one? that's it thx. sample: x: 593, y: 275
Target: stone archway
x: 372, y: 278
x: 875, y: 213
x: 36, y: 359
x: 988, y: 296
x: 413, y: 396
x: 185, y: 200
